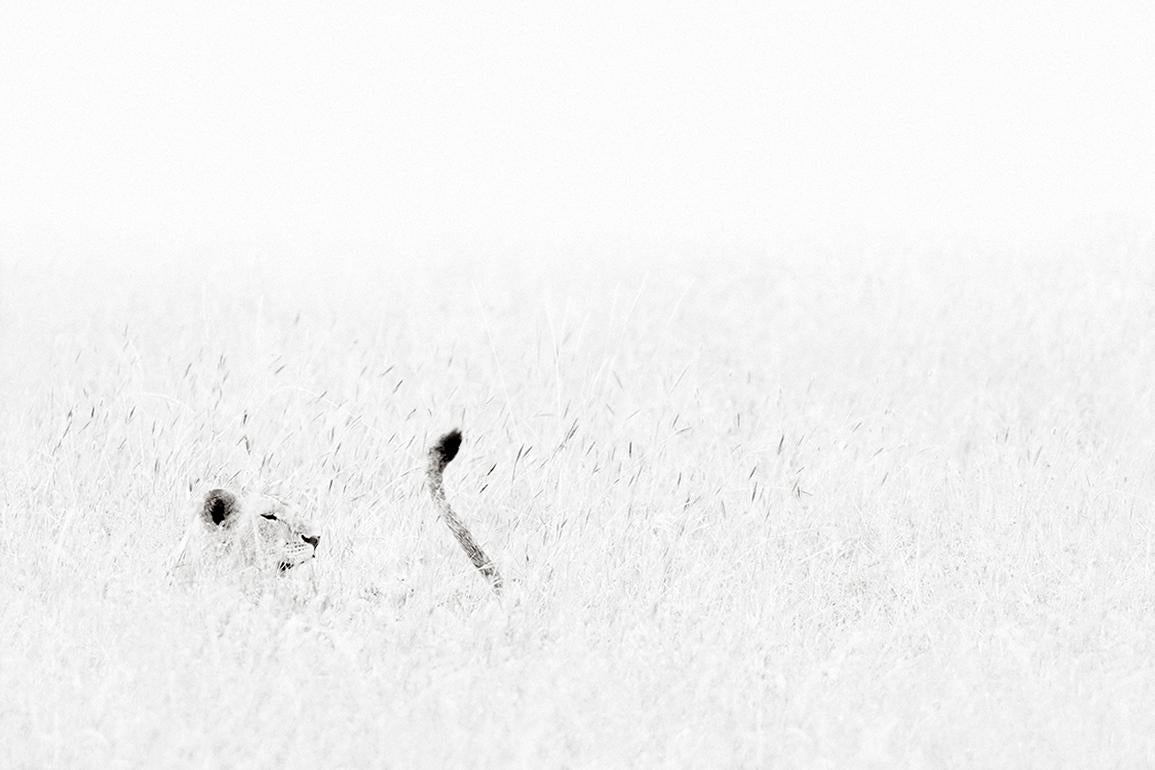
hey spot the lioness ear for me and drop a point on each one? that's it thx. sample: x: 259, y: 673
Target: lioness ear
x: 219, y: 505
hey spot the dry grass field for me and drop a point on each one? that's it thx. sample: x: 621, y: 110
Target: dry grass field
x: 870, y: 508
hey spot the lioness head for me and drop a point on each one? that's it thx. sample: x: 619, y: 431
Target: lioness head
x: 249, y: 530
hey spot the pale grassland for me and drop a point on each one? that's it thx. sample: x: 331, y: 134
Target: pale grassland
x: 884, y: 507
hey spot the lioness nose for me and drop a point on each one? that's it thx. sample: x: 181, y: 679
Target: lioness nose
x: 312, y: 540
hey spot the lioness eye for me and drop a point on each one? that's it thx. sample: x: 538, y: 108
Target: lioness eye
x: 269, y: 516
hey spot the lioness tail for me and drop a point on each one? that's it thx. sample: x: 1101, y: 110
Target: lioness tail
x: 440, y: 455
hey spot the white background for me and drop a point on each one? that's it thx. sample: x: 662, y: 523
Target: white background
x: 154, y: 127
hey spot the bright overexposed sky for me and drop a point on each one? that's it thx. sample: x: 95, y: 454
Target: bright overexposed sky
x: 153, y: 125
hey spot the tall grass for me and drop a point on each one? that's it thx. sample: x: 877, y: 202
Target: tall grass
x: 882, y: 508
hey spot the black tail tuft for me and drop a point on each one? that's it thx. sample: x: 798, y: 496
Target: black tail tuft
x: 448, y: 445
